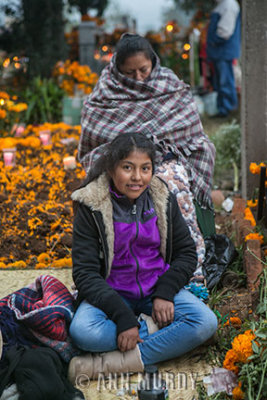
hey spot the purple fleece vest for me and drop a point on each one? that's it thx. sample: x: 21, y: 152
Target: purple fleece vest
x: 137, y: 261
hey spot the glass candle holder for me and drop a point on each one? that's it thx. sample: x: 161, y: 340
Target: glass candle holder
x: 45, y: 137
x: 9, y: 156
x: 18, y: 130
x: 69, y: 162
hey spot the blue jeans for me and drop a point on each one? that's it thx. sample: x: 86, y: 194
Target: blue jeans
x: 193, y: 324
x: 225, y: 86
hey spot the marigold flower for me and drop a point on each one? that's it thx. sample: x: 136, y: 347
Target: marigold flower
x: 19, y: 264
x: 231, y: 358
x: 58, y: 264
x: 44, y: 258
x: 4, y: 95
x: 237, y: 393
x: 251, y: 203
x: 68, y: 262
x: 235, y: 321
x: 240, y: 351
x: 40, y: 266
x: 242, y: 345
x: 55, y: 225
x: 18, y: 107
x: 254, y: 168
x: 2, y: 114
x: 3, y: 265
x: 254, y: 236
x: 249, y: 216
x: 8, y: 142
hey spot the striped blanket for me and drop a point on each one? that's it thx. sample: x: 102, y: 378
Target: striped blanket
x: 45, y: 307
x: 162, y: 107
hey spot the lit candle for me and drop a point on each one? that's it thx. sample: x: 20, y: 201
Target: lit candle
x: 18, y: 129
x: 9, y: 157
x: 45, y: 137
x: 69, y: 162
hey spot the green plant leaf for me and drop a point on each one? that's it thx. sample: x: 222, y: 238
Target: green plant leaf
x: 255, y: 348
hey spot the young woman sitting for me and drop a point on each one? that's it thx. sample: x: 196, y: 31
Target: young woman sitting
x: 132, y: 256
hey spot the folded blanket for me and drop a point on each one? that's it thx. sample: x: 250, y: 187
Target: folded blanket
x: 45, y: 308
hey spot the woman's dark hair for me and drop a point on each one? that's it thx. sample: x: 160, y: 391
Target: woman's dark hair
x: 130, y: 44
x: 118, y: 150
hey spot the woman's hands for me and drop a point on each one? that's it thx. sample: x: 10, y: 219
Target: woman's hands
x: 162, y: 312
x: 127, y: 340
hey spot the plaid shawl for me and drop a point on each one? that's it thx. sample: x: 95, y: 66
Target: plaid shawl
x: 162, y: 108
x: 45, y: 307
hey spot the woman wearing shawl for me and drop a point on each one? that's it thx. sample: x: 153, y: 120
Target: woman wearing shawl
x: 135, y: 94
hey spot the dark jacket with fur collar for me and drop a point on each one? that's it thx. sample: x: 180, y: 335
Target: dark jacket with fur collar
x: 93, y: 246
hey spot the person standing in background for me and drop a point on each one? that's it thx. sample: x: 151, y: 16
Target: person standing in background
x: 223, y: 46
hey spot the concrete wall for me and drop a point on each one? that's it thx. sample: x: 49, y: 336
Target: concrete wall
x: 254, y: 90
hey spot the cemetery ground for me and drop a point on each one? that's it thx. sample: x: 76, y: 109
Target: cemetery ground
x: 36, y: 231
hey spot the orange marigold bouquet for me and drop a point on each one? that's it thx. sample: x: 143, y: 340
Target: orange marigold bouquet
x: 248, y: 356
x: 73, y: 77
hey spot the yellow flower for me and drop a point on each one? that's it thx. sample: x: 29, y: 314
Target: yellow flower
x: 249, y: 216
x: 63, y: 262
x: 55, y: 225
x: 19, y: 264
x: 40, y: 266
x: 251, y: 203
x: 254, y: 168
x: 231, y: 358
x: 4, y: 95
x: 3, y: 265
x: 237, y: 393
x: 254, y: 236
x: 68, y: 262
x: 240, y: 351
x: 235, y: 321
x: 44, y: 258
x: 242, y: 345
x: 18, y: 107
x: 2, y: 114
x: 7, y: 143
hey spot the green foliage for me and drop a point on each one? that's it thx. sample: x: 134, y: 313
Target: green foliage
x: 202, y: 394
x: 44, y: 99
x: 227, y: 141
x: 253, y: 374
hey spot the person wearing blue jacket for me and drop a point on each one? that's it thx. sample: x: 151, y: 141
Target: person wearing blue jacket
x: 223, y: 46
x: 132, y: 256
